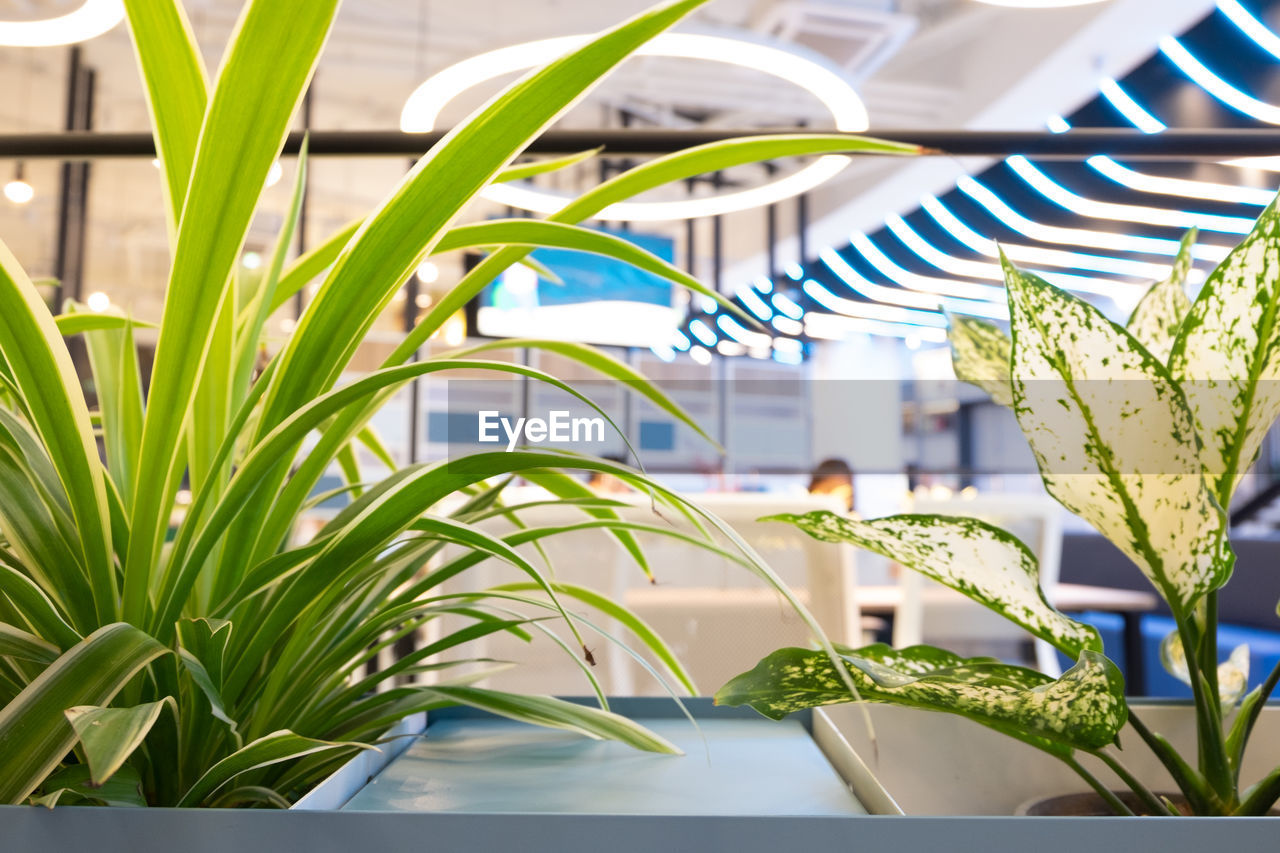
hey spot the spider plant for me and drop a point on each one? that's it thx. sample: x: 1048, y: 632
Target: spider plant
x: 222, y: 662
x: 1143, y: 430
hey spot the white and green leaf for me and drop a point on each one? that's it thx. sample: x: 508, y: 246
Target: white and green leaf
x: 1084, y: 709
x: 1233, y: 673
x: 987, y: 564
x: 1114, y: 439
x: 980, y: 354
x: 1227, y: 355
x: 1158, y: 315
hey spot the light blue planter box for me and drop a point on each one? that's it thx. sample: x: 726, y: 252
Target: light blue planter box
x: 475, y: 783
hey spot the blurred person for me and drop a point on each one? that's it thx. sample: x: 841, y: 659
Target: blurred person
x: 833, y: 477
x: 604, y: 483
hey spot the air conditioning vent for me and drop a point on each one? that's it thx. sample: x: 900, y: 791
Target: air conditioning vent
x: 860, y: 38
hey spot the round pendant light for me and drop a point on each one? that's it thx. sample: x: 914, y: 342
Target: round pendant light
x: 91, y: 19
x: 809, y: 72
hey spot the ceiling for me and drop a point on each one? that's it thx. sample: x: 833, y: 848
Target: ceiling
x: 917, y: 63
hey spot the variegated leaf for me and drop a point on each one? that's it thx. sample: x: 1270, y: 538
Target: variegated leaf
x: 1083, y: 709
x: 1227, y: 355
x: 1233, y: 673
x: 980, y: 356
x: 1158, y: 315
x: 989, y: 565
x: 1114, y: 439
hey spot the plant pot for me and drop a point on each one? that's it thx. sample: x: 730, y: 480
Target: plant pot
x: 1091, y: 804
x: 927, y: 763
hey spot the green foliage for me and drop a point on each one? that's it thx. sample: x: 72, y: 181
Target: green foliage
x: 1143, y: 431
x: 157, y: 653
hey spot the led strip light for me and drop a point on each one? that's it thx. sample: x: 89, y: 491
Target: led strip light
x: 987, y: 247
x: 1215, y: 85
x: 810, y: 72
x: 1117, y: 290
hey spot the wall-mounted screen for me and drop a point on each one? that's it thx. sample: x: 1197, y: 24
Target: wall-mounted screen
x: 598, y: 300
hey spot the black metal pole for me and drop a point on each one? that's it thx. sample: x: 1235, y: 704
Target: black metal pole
x: 1077, y: 144
x: 802, y: 228
x: 73, y: 188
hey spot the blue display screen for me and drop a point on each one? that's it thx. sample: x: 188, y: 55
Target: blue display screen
x: 597, y: 300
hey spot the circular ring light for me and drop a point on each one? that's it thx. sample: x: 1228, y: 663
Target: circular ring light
x: 93, y: 18
x: 423, y: 108
x: 1039, y: 4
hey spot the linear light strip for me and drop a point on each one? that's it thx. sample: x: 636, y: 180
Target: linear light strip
x: 927, y: 284
x: 1140, y: 214
x: 987, y: 247
x: 860, y: 285
x: 838, y: 326
x: 998, y: 208
x: 1129, y: 108
x: 1117, y: 290
x: 870, y: 310
x: 1181, y: 187
x: 754, y: 303
x: 1215, y: 85
x: 1251, y: 26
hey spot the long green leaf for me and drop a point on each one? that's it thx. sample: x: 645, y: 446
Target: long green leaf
x: 263, y: 752
x: 987, y: 564
x: 79, y: 321
x: 177, y: 92
x: 406, y: 227
x: 242, y: 134
x: 17, y: 643
x: 110, y: 735
x: 659, y: 172
x: 42, y: 373
x: 113, y: 357
x: 558, y: 714
x: 71, y: 786
x: 628, y: 619
x: 34, y: 735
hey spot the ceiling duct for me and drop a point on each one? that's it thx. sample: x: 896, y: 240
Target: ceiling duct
x: 858, y: 36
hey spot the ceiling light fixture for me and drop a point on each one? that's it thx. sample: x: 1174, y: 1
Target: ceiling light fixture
x: 808, y: 71
x: 91, y: 19
x: 18, y: 190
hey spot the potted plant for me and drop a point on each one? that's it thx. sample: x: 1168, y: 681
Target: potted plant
x: 224, y: 666
x: 1144, y: 431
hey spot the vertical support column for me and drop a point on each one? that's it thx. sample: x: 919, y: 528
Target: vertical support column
x: 802, y: 227
x: 73, y: 188
x: 410, y: 317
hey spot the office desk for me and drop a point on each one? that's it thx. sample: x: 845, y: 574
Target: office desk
x: 1129, y: 604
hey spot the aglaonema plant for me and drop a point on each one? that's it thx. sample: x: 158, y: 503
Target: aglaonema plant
x: 158, y: 653
x: 1144, y: 431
